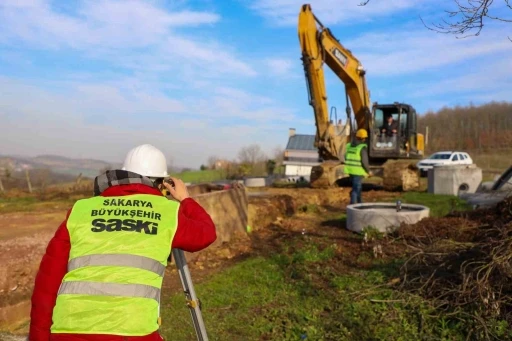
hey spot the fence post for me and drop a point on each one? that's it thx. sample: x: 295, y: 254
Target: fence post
x: 29, y: 184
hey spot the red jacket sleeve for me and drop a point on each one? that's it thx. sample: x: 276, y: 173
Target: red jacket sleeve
x: 196, y: 229
x: 52, y: 269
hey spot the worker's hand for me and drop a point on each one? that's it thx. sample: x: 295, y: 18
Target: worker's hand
x: 179, y: 191
x: 370, y: 174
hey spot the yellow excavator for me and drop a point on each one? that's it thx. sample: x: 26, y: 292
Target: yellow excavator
x: 319, y: 47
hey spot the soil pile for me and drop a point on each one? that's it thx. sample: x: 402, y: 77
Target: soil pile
x: 401, y: 175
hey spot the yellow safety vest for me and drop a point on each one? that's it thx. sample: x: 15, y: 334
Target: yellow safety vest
x: 353, y: 164
x: 119, y: 251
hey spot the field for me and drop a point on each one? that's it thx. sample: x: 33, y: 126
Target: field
x: 201, y: 176
x: 492, y: 163
x: 321, y: 284
x: 295, y: 276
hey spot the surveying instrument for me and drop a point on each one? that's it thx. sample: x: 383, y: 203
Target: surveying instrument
x: 188, y: 288
x: 190, y: 295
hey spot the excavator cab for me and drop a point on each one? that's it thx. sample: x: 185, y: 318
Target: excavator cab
x: 404, y: 143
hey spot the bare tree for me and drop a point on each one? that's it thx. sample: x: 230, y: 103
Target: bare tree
x: 29, y: 183
x: 170, y: 164
x: 211, y: 162
x: 469, y: 16
x: 43, y: 177
x: 278, y: 155
x: 487, y: 126
x: 251, y: 154
x: 78, y: 179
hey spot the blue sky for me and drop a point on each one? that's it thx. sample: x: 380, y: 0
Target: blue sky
x: 93, y: 78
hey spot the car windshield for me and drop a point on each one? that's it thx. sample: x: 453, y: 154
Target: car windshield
x: 440, y: 156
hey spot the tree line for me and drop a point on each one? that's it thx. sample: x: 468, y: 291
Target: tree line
x: 251, y: 160
x: 483, y: 127
x: 470, y: 128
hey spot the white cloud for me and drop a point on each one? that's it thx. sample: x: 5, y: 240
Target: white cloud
x: 132, y: 34
x: 286, y: 12
x: 279, y: 66
x: 241, y: 96
x: 229, y: 103
x: 398, y: 52
x: 107, y: 23
x: 480, y: 84
x: 211, y: 56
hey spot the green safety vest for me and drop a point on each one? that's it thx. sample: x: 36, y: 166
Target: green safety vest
x: 353, y: 164
x: 119, y: 251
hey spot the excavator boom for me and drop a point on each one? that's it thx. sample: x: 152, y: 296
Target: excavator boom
x: 319, y: 46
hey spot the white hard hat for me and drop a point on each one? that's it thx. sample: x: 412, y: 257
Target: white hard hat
x: 146, y: 160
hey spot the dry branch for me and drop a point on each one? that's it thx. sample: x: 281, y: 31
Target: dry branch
x: 469, y: 16
x: 464, y: 271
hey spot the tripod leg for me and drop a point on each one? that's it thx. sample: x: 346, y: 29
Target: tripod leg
x: 190, y: 294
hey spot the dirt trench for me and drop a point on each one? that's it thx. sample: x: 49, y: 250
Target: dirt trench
x: 24, y: 238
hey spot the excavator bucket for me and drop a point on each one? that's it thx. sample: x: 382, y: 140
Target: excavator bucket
x: 401, y: 175
x: 327, y: 174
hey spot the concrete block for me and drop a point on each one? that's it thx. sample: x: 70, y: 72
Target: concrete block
x: 383, y: 216
x: 255, y: 182
x: 491, y: 193
x: 454, y: 179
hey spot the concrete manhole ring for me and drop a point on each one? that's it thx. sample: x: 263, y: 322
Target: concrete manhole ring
x: 384, y: 217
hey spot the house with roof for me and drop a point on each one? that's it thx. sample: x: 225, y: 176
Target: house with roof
x: 300, y: 155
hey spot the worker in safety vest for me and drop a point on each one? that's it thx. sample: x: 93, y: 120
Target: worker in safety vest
x: 357, y: 164
x: 101, y: 275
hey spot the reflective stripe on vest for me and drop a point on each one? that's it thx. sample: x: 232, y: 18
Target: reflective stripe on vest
x: 119, y: 251
x: 353, y: 164
x: 110, y: 289
x: 135, y: 261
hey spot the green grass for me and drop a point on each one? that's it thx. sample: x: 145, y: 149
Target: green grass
x: 301, y: 292
x: 17, y: 204
x: 440, y: 205
x: 28, y: 204
x: 201, y: 176
x: 496, y: 160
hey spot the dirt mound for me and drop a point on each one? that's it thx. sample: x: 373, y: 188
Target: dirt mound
x: 401, y: 175
x: 463, y: 263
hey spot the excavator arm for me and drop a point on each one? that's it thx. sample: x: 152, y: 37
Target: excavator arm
x: 319, y: 46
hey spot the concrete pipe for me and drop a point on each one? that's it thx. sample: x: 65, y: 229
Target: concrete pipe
x: 385, y: 217
x: 255, y: 182
x: 463, y: 188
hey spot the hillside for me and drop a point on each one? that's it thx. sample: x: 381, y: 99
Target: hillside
x: 471, y: 127
x: 57, y: 164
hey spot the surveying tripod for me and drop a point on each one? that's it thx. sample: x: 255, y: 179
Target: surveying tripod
x: 190, y: 295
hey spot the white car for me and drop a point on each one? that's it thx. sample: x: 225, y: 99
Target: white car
x: 444, y: 158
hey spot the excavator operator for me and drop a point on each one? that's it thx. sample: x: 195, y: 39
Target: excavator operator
x: 357, y: 164
x: 390, y: 127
